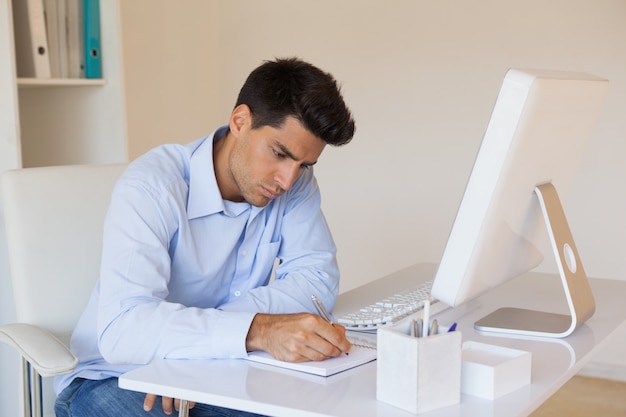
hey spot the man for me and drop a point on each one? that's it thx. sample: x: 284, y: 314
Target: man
x: 190, y: 242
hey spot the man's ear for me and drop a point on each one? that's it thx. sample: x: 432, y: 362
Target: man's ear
x: 240, y: 119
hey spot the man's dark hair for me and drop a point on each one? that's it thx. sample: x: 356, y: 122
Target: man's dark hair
x: 291, y: 87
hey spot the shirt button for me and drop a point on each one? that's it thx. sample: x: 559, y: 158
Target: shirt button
x: 244, y: 252
x: 237, y: 293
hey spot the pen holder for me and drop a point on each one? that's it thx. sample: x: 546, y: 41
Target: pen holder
x: 418, y: 374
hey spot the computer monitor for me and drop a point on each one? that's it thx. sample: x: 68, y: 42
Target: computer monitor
x: 510, y: 216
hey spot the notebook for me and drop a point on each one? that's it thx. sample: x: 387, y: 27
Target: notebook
x: 358, y: 355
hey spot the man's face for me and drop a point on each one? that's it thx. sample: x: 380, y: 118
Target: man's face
x: 266, y: 161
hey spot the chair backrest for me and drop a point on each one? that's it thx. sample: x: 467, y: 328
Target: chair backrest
x: 53, y: 219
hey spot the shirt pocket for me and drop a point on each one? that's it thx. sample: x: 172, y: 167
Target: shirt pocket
x: 264, y: 263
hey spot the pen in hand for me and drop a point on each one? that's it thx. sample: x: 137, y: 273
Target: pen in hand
x: 321, y: 310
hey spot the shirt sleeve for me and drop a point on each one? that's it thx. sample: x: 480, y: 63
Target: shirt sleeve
x: 136, y: 323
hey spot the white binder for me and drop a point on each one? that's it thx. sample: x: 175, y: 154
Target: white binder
x: 31, y: 42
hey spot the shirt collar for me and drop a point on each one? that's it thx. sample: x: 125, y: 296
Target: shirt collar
x: 204, y: 195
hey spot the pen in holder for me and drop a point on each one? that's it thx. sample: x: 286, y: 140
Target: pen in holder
x: 418, y: 374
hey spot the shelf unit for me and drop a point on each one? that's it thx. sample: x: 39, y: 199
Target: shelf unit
x: 62, y: 121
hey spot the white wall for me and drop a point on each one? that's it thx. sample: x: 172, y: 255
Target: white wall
x: 170, y: 69
x: 421, y: 78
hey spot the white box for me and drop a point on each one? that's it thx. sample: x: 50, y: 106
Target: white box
x: 418, y: 374
x: 491, y: 371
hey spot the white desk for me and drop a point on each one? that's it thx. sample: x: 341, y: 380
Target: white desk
x: 273, y: 391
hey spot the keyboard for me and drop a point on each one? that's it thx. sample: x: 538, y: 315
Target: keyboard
x: 388, y: 310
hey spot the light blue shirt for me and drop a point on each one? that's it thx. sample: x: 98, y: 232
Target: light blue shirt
x: 184, y: 272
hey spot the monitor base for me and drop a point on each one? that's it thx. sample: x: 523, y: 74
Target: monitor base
x: 575, y: 283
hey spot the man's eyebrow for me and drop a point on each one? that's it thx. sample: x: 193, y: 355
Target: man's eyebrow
x: 287, y: 152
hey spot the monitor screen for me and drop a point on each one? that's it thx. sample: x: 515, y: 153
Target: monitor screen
x: 534, y: 141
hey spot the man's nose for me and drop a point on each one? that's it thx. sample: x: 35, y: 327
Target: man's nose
x: 287, y: 175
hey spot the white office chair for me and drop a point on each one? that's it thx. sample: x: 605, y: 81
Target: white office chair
x: 53, y: 218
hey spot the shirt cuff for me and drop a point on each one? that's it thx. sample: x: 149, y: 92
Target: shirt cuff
x: 231, y: 332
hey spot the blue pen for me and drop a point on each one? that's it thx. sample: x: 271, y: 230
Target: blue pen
x: 452, y: 328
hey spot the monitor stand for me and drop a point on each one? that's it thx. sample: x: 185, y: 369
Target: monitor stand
x: 577, y: 290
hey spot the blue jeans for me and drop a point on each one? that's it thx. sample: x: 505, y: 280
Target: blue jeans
x: 103, y: 398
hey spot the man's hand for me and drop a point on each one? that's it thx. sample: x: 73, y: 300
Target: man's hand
x: 288, y: 337
x: 169, y: 404
x: 297, y: 337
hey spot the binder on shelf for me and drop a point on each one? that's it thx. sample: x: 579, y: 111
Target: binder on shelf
x: 75, y: 38
x: 31, y: 41
x: 93, y: 60
x: 62, y: 34
x: 54, y: 11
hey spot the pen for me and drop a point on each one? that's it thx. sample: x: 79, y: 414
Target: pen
x: 321, y: 310
x: 426, y: 317
x: 418, y: 327
x: 434, y: 328
x: 452, y: 328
